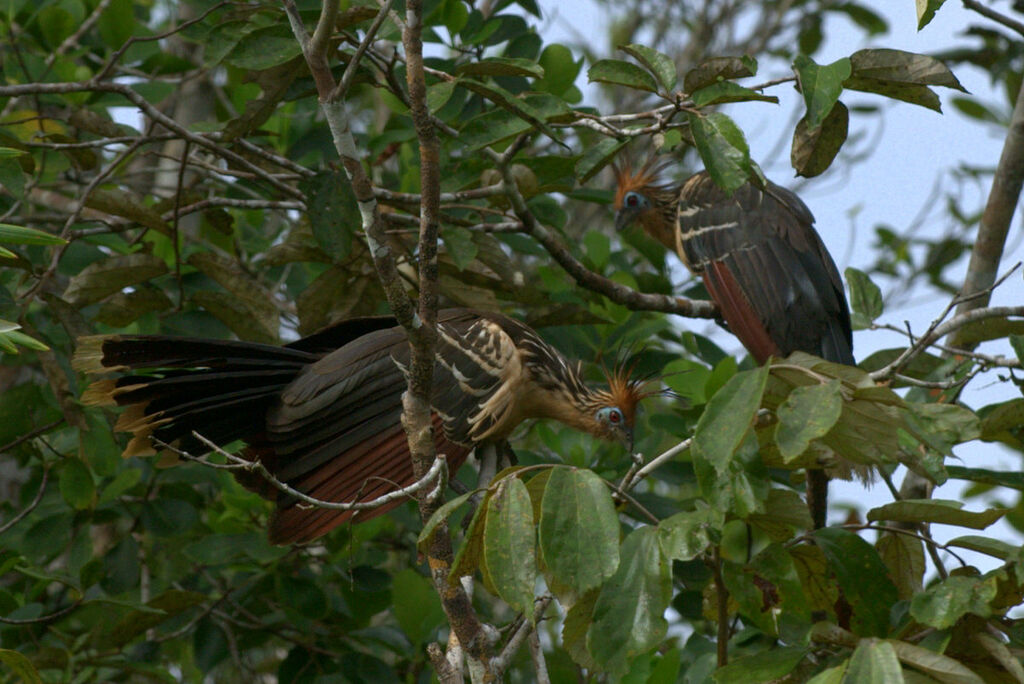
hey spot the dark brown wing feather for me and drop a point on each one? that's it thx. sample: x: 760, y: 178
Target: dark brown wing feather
x: 322, y: 414
x: 766, y: 268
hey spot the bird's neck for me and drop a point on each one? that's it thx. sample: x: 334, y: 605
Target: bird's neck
x: 660, y: 221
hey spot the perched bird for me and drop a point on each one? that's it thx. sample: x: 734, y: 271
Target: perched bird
x: 322, y: 414
x: 762, y: 262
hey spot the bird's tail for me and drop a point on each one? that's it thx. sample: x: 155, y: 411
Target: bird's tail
x: 176, y: 385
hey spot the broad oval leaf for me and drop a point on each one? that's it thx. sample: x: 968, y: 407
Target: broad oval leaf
x: 440, y: 515
x: 728, y: 417
x: 808, y: 413
x: 935, y: 511
x: 628, y: 616
x: 722, y: 148
x: 987, y: 545
x: 727, y: 91
x: 718, y: 69
x: 814, y: 149
x: 685, y: 535
x: 899, y: 66
x: 101, y: 279
x: 943, y: 604
x: 863, y: 578
x: 767, y: 666
x: 76, y: 483
x: 658, y: 63
x: 865, y: 298
x: 579, y: 529
x: 820, y: 85
x: 618, y: 72
x: 510, y: 547
x: 874, y: 661
x: 940, y: 667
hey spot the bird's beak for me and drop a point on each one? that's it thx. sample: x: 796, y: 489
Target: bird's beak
x: 623, y: 217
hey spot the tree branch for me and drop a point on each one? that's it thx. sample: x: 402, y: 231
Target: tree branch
x: 995, y: 221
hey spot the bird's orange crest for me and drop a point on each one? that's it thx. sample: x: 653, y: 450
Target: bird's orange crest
x: 628, y: 391
x: 645, y: 178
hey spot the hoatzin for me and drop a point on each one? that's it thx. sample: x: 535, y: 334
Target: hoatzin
x: 322, y: 414
x: 762, y: 262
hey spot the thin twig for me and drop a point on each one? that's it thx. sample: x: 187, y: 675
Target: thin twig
x: 35, y: 501
x: 238, y: 463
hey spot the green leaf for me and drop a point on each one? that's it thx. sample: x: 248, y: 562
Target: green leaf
x: 767, y: 666
x: 333, y: 211
x: 76, y: 483
x: 440, y: 515
x: 628, y: 616
x: 470, y: 556
x: 502, y: 66
x: 236, y: 314
x: 21, y: 235
x: 718, y: 69
x: 659, y: 64
x: 808, y: 413
x: 21, y: 666
x: 418, y: 612
x: 101, y: 279
x: 596, y: 157
x: 874, y: 661
x: 1017, y: 342
x: 560, y: 69
x: 264, y: 48
x: 728, y: 418
x: 865, y: 298
x: 898, y: 66
x: 518, y: 106
x: 127, y: 205
x: 943, y: 604
x: 926, y: 11
x: 510, y: 547
x: 987, y: 545
x: 905, y: 92
x: 579, y: 530
x: 686, y: 535
x: 722, y: 148
x: 618, y: 72
x: 863, y: 578
x: 459, y: 243
x: 156, y: 611
x: 935, y: 511
x: 904, y: 556
x: 939, y: 667
x: 814, y: 149
x: 821, y: 86
x: 723, y: 92
x: 438, y: 94
x: 574, y: 630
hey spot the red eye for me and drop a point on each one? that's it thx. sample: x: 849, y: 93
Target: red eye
x: 631, y: 200
x: 615, y: 416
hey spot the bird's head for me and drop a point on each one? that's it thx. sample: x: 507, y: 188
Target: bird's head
x: 640, y: 197
x: 614, y: 409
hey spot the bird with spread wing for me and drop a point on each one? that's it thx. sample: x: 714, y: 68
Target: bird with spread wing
x: 322, y: 414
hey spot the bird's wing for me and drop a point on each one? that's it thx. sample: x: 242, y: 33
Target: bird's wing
x: 766, y: 268
x: 336, y: 433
